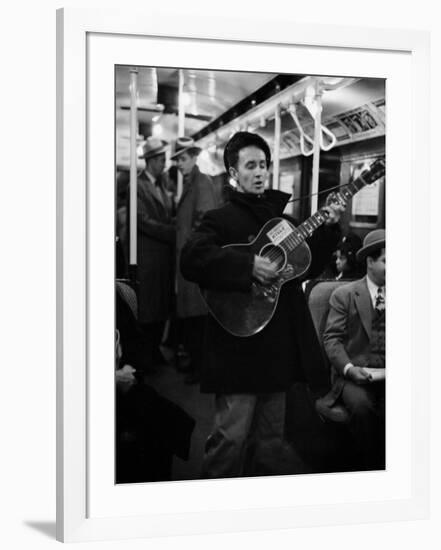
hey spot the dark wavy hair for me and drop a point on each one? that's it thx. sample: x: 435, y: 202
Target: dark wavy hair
x: 239, y: 141
x: 375, y: 254
x: 348, y: 247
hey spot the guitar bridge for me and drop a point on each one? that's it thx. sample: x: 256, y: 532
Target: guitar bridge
x: 287, y: 272
x: 267, y: 292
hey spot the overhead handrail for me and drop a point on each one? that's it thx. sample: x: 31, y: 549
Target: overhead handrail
x: 305, y: 138
x: 327, y: 85
x: 259, y: 114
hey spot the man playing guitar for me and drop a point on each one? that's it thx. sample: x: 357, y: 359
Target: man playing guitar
x: 250, y: 374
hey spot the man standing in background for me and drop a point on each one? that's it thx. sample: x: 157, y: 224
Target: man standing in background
x: 198, y: 197
x: 156, y: 246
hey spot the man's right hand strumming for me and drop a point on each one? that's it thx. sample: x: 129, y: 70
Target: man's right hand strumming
x: 264, y: 270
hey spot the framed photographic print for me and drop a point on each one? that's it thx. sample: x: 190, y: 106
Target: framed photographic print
x: 147, y: 120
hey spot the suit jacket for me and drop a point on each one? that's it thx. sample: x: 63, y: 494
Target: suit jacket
x: 347, y: 337
x: 156, y: 245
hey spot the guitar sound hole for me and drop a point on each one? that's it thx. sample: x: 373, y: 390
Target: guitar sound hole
x: 275, y: 254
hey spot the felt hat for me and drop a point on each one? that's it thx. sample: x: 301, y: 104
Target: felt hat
x: 373, y: 241
x: 185, y: 145
x: 153, y: 147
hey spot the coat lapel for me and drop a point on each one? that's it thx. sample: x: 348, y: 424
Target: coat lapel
x: 150, y: 192
x: 364, y: 305
x: 188, y: 185
x: 185, y: 192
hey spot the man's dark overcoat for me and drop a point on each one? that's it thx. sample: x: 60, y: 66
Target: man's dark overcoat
x: 197, y: 198
x: 286, y: 350
x: 156, y: 248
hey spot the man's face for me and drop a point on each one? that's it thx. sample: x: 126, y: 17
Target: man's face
x: 251, y: 171
x: 156, y: 165
x: 377, y: 268
x: 186, y: 163
x: 341, y: 262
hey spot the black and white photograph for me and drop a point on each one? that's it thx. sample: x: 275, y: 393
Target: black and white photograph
x: 194, y: 275
x: 250, y: 257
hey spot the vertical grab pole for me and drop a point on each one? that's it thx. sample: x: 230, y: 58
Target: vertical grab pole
x: 133, y: 174
x: 276, y: 162
x: 316, y: 157
x: 181, y: 128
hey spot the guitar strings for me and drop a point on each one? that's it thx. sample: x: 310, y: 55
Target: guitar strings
x: 303, y: 197
x: 330, y: 188
x: 274, y: 253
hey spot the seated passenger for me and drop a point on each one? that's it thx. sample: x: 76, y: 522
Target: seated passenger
x: 343, y: 266
x: 346, y: 262
x: 354, y: 341
x: 149, y: 428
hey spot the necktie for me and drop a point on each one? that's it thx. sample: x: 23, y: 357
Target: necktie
x: 158, y: 190
x: 379, y: 300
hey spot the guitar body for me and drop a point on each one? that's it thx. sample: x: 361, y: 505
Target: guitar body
x: 246, y: 313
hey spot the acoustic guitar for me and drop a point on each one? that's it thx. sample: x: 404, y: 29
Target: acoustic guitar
x: 244, y: 313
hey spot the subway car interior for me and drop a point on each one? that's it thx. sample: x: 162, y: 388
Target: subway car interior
x: 324, y: 132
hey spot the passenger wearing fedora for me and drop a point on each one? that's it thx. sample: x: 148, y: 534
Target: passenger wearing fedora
x: 354, y: 340
x: 156, y: 246
x: 198, y: 197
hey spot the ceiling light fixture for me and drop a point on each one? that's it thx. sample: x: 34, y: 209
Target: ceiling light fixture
x: 157, y: 130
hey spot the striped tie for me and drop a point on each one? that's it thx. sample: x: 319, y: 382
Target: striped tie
x: 379, y: 300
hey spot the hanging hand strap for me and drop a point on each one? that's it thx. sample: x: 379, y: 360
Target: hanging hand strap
x: 303, y: 137
x: 332, y: 140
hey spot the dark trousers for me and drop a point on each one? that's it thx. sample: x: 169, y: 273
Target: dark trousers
x: 193, y: 332
x: 152, y: 334
x: 366, y: 406
x: 247, y: 435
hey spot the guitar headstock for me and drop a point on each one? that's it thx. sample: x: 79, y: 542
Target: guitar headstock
x: 374, y: 172
x: 369, y: 175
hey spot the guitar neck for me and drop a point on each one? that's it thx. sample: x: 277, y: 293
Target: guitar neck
x: 307, y: 228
